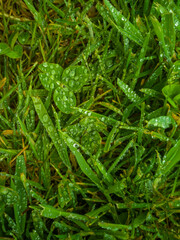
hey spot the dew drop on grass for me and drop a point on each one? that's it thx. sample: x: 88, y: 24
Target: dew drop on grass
x: 91, y: 141
x: 52, y: 85
x: 162, y: 121
x: 71, y: 83
x: 45, y: 118
x: 50, y: 75
x: 64, y: 99
x: 72, y: 73
x: 38, y: 107
x: 128, y: 91
x: 50, y: 128
x: 45, y: 64
x: 75, y: 77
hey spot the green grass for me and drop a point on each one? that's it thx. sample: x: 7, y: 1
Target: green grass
x: 89, y: 119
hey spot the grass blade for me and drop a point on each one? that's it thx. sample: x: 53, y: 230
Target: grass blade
x: 46, y: 121
x: 129, y: 93
x: 51, y: 212
x: 169, y: 32
x: 37, y: 16
x: 21, y: 204
x: 171, y: 159
x: 129, y: 145
x: 80, y: 159
x: 160, y: 34
x: 121, y: 23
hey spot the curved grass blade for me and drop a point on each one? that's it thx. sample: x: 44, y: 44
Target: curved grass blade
x: 86, y: 169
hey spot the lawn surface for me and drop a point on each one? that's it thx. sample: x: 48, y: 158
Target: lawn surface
x: 89, y: 119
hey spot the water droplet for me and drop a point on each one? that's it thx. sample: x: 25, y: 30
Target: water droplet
x: 71, y: 83
x: 45, y: 118
x: 45, y: 64
x: 69, y: 140
x: 38, y: 107
x: 50, y: 128
x: 72, y: 73
x: 65, y: 98
x: 52, y: 85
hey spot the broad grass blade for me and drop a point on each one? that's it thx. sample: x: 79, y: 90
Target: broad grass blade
x: 49, y: 126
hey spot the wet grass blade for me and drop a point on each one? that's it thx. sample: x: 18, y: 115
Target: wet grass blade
x: 111, y: 137
x: 86, y: 169
x: 27, y: 135
x: 47, y: 123
x: 141, y: 59
x: 37, y: 16
x: 114, y: 227
x: 103, y: 118
x: 21, y: 204
x: 56, y: 9
x: 128, y: 91
x: 89, y: 119
x: 171, y: 159
x: 121, y: 23
x: 169, y: 32
x: 51, y: 212
x: 112, y: 168
x: 160, y: 34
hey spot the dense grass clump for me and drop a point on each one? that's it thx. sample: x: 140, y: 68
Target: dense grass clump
x: 89, y: 119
